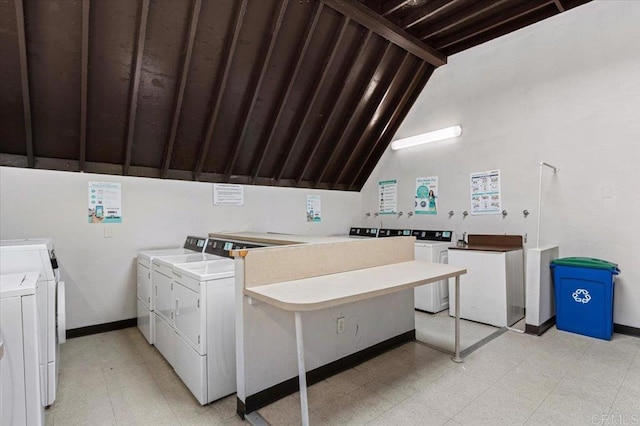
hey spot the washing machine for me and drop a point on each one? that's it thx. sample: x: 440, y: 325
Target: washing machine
x: 145, y: 303
x: 22, y: 349
x: 432, y: 246
x: 38, y: 254
x: 394, y: 233
x: 204, y: 322
x: 363, y: 232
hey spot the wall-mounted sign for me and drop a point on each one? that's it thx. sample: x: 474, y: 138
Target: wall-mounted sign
x: 314, y: 208
x: 226, y: 194
x: 485, y: 193
x: 105, y: 202
x: 388, y: 192
x: 426, y: 195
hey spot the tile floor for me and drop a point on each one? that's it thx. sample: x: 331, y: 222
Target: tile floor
x: 557, y: 379
x: 438, y: 331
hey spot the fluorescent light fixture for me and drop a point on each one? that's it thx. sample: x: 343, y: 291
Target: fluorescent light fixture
x: 435, y: 136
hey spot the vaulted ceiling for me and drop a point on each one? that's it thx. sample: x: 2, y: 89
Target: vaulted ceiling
x: 304, y: 93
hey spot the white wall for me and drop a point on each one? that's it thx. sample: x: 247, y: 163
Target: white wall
x: 100, y: 272
x: 566, y: 91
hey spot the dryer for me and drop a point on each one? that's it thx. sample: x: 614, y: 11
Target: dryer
x: 432, y: 246
x: 145, y: 303
x: 38, y: 254
x: 22, y: 350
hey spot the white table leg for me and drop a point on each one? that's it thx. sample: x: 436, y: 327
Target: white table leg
x: 302, y: 374
x: 456, y: 357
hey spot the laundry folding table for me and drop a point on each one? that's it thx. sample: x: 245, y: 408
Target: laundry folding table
x: 326, y: 291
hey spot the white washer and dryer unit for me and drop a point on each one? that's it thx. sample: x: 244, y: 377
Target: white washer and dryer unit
x: 163, y: 279
x: 431, y: 246
x: 145, y: 301
x: 18, y: 256
x: 22, y: 346
x: 204, y: 322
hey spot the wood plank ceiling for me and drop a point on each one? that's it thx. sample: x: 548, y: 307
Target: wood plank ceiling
x: 304, y: 93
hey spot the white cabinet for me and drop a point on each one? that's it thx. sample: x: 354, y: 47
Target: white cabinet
x: 492, y: 290
x: 190, y: 320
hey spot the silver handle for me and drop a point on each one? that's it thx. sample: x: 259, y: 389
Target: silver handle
x: 176, y: 274
x: 1, y: 350
x: 156, y: 290
x: 177, y: 307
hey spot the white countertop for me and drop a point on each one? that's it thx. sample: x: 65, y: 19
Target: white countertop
x: 274, y: 238
x: 346, y: 287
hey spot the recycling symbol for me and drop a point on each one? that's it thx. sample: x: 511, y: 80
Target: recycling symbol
x: 581, y: 296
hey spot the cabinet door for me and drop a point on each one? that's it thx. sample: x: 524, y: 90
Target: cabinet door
x: 163, y: 296
x: 188, y: 316
x: 144, y: 286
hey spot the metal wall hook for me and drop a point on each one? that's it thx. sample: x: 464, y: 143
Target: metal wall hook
x: 525, y: 212
x: 376, y: 214
x: 465, y: 214
x: 504, y: 214
x: 451, y: 213
x: 399, y: 214
x: 367, y: 214
x: 409, y: 214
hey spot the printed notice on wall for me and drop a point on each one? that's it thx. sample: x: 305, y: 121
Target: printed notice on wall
x: 485, y: 193
x: 426, y: 195
x: 314, y: 208
x: 226, y: 194
x: 388, y: 191
x: 105, y: 202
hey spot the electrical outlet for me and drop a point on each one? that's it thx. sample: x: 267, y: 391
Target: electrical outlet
x: 340, y: 325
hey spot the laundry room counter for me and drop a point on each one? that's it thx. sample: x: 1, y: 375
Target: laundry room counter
x: 275, y: 238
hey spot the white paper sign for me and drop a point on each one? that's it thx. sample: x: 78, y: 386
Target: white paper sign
x: 105, y: 202
x: 388, y: 190
x: 314, y: 208
x: 226, y: 194
x: 485, y: 193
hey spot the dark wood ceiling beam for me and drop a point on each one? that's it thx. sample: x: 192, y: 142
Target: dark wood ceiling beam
x: 305, y: 111
x: 392, y: 89
x: 539, y: 14
x: 274, y: 120
x: 355, y: 113
x: 559, y: 5
x: 381, y: 26
x: 135, y: 86
x: 84, y: 77
x: 464, y: 15
x: 24, y: 78
x: 400, y: 111
x: 338, y: 94
x: 391, y: 6
x: 184, y: 72
x: 232, y: 42
x: 490, y: 23
x: 255, y: 84
x: 425, y: 12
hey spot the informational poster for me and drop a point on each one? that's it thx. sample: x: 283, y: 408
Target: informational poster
x: 388, y: 190
x: 314, y: 208
x: 226, y: 194
x: 426, y: 195
x: 485, y: 193
x: 105, y: 202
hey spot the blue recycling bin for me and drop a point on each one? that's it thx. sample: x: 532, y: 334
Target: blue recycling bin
x: 584, y: 295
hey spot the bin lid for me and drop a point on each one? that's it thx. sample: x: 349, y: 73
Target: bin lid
x: 586, y: 262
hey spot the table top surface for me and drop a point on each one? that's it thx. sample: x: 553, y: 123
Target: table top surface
x: 326, y: 291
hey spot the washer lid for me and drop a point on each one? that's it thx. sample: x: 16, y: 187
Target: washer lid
x: 207, y: 271
x: 27, y: 244
x: 183, y: 258
x: 21, y: 284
